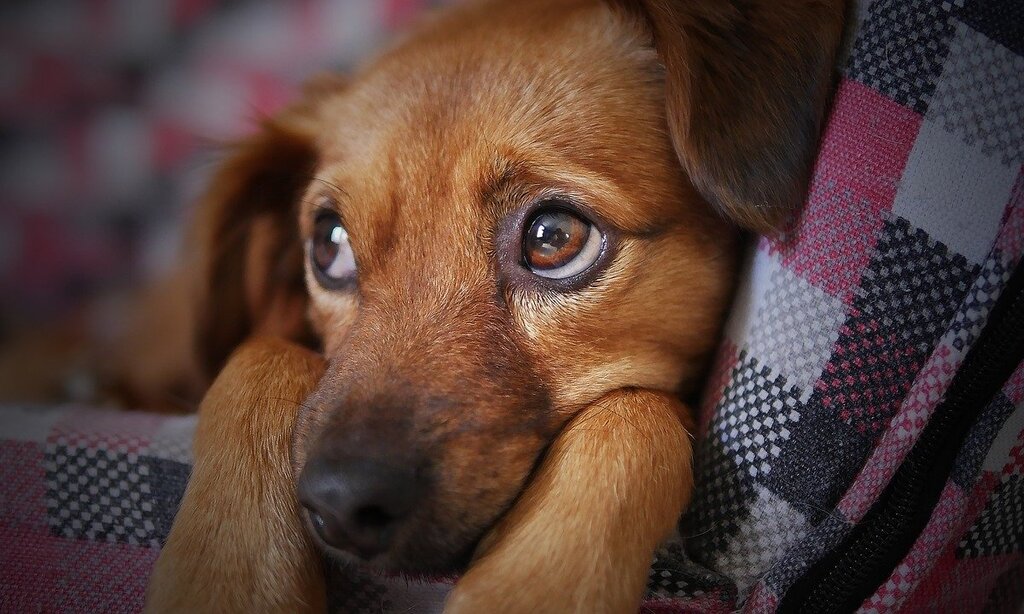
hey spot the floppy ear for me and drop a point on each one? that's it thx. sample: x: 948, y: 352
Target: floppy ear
x: 250, y: 259
x: 747, y: 83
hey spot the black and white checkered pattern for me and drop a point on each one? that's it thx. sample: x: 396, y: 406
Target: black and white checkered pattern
x: 901, y: 48
x: 1000, y: 528
x: 111, y: 495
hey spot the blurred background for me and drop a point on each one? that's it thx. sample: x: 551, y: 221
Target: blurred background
x: 111, y: 112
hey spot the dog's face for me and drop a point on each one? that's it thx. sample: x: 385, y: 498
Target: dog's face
x: 498, y: 232
x: 495, y: 230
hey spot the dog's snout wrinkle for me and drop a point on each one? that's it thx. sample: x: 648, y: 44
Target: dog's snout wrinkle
x: 357, y: 504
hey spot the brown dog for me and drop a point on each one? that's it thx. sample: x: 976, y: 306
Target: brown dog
x: 513, y: 236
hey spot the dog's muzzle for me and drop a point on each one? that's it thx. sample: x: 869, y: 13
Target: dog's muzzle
x: 356, y: 504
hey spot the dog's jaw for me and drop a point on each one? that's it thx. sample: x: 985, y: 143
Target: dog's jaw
x: 428, y: 562
x: 445, y: 351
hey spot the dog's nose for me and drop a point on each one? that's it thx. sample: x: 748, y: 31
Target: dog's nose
x: 355, y: 504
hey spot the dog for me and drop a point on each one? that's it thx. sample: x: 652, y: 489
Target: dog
x: 510, y: 241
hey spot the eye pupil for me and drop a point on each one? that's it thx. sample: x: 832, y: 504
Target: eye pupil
x: 556, y: 238
x: 551, y: 237
x: 330, y: 252
x: 326, y: 246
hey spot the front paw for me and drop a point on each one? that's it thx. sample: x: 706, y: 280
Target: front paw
x: 237, y: 543
x: 582, y: 535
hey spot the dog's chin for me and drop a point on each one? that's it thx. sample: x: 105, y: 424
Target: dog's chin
x: 405, y: 557
x: 392, y: 564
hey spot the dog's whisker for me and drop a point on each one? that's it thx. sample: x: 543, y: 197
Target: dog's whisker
x: 329, y: 184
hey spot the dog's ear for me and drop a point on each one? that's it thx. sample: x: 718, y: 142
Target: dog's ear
x: 249, y: 257
x: 747, y: 83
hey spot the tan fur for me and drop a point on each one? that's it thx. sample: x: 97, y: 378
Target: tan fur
x: 631, y: 450
x: 237, y: 544
x: 547, y: 420
x: 578, y: 109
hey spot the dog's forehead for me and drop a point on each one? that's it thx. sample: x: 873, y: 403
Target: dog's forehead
x: 562, y: 85
x: 496, y: 58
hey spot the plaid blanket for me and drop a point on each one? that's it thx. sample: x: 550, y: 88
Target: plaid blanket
x: 110, y: 113
x: 849, y: 330
x: 844, y: 339
x: 87, y: 497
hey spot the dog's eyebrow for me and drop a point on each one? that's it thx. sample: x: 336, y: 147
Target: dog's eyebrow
x: 513, y: 181
x: 501, y: 178
x: 340, y: 190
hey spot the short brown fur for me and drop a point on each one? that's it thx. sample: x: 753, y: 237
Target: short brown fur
x: 527, y: 407
x: 252, y: 556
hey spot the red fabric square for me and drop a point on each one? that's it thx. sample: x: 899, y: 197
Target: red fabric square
x: 863, y: 153
x: 23, y: 496
x: 44, y: 573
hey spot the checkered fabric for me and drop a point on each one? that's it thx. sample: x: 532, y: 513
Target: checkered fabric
x: 844, y: 337
x: 111, y: 113
x: 849, y: 329
x: 86, y: 499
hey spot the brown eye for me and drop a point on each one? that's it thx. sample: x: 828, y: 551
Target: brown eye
x: 330, y: 253
x: 558, y: 244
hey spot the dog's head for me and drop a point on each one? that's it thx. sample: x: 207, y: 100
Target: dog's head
x: 517, y: 209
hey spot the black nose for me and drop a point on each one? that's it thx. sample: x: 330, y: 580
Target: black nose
x: 356, y: 504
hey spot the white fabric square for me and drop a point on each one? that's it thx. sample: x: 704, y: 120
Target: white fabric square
x: 173, y: 439
x: 755, y: 274
x: 772, y: 527
x: 954, y: 192
x: 980, y: 95
x: 28, y: 423
x: 795, y: 329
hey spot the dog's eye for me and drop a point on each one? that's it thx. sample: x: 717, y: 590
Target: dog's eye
x: 559, y: 244
x: 330, y: 252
